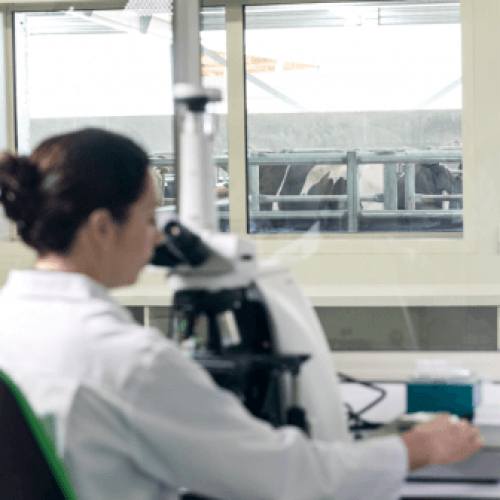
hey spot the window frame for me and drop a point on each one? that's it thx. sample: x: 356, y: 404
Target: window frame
x: 331, y: 244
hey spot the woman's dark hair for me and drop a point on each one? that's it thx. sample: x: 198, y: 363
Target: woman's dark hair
x: 52, y: 193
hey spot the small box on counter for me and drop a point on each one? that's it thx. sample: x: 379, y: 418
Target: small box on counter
x: 459, y: 397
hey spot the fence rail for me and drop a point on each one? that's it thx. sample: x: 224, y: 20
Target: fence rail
x: 352, y: 159
x: 353, y: 211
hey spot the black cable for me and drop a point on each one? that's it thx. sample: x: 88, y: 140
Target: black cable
x: 356, y: 423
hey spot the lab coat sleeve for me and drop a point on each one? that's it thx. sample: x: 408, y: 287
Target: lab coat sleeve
x: 188, y: 429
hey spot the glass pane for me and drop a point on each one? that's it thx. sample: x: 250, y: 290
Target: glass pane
x: 108, y: 69
x: 214, y: 74
x: 354, y: 117
x: 410, y: 328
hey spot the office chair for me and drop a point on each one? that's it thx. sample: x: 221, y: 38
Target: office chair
x: 29, y: 466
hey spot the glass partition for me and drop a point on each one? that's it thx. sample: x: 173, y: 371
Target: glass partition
x: 354, y: 117
x: 410, y: 328
x: 214, y: 74
x: 112, y: 69
x: 464, y: 329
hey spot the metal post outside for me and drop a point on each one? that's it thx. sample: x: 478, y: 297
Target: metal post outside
x: 253, y: 188
x: 390, y: 186
x: 352, y: 192
x: 186, y: 64
x: 410, y: 186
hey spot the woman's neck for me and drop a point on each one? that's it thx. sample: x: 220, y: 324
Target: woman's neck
x: 82, y: 258
x: 54, y: 262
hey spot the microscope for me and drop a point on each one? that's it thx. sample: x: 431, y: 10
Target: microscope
x: 246, y: 321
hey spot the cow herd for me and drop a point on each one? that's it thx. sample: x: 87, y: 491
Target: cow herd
x: 286, y: 180
x: 308, y: 180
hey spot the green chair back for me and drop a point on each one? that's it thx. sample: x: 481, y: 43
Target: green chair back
x: 29, y: 466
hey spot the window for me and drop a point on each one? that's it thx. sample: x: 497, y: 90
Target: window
x: 111, y: 69
x: 354, y: 117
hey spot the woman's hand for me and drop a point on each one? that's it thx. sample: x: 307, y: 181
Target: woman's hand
x: 444, y: 440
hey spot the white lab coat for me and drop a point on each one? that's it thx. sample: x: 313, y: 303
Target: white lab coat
x: 137, y: 419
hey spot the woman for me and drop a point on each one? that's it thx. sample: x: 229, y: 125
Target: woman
x: 136, y: 419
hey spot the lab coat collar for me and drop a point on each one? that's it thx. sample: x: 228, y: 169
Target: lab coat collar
x: 31, y: 282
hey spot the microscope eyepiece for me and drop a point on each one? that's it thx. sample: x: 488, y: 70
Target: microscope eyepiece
x: 180, y: 246
x: 189, y: 244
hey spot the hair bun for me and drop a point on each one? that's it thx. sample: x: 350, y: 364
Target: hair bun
x: 19, y: 182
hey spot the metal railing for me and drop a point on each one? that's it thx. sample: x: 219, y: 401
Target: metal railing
x: 352, y: 199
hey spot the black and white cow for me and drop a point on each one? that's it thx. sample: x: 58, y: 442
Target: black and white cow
x: 282, y: 180
x: 332, y: 180
x: 434, y: 179
x: 299, y: 180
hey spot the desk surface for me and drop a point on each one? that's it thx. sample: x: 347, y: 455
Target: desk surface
x: 448, y: 497
x: 449, y: 491
x: 487, y: 414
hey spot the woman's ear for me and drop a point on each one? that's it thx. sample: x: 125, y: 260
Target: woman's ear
x: 101, y: 227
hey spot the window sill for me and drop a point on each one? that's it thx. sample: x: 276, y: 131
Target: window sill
x: 346, y: 295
